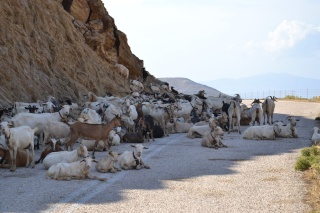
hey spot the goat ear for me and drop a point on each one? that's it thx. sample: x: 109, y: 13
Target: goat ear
x: 145, y: 147
x: 133, y: 145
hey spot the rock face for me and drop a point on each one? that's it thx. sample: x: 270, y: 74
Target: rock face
x: 62, y: 48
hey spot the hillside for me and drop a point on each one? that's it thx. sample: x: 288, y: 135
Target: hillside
x: 187, y: 86
x: 63, y: 48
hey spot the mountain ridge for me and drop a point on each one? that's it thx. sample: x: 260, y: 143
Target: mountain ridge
x: 187, y: 86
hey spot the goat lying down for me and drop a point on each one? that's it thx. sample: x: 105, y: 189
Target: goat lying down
x: 264, y: 132
x: 6, y: 161
x: 199, y: 131
x: 106, y: 164
x: 133, y: 159
x: 65, y: 156
x: 213, y: 139
x: 74, y: 170
x: 289, y: 130
x: 55, y: 147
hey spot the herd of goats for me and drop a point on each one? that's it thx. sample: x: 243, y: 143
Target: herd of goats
x: 102, y: 122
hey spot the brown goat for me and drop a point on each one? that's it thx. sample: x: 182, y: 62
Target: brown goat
x: 96, y: 132
x: 139, y: 110
x: 54, y: 148
x: 21, y: 159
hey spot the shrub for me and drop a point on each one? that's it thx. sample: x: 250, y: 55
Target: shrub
x: 302, y: 164
x: 314, y: 151
x: 305, y: 152
x: 309, y: 157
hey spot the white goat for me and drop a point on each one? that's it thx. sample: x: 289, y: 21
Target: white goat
x: 234, y: 111
x: 65, y: 156
x: 255, y: 112
x: 216, y: 103
x: 90, y: 116
x: 183, y: 109
x: 315, y: 136
x: 268, y: 109
x: 48, y: 107
x: 114, y: 138
x: 110, y: 111
x: 96, y: 105
x: 19, y: 138
x: 40, y: 120
x: 101, y: 146
x: 132, y: 111
x: 133, y: 159
x: 289, y: 130
x: 128, y: 123
x: 213, y: 139
x: 200, y: 131
x: 106, y: 164
x: 55, y: 129
x: 74, y: 170
x: 163, y: 115
x: 265, y: 132
x: 20, y: 107
x: 181, y: 127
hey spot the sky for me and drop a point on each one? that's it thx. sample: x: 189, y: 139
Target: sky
x: 206, y: 40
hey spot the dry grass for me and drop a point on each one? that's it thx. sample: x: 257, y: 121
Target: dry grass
x: 298, y: 99
x: 313, y: 197
x: 312, y: 176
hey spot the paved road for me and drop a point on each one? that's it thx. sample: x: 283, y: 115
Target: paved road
x: 248, y: 176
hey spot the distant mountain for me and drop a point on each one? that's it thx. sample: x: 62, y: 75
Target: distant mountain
x: 259, y: 86
x: 264, y: 82
x: 187, y: 86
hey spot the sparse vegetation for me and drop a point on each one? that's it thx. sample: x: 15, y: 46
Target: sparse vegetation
x: 315, y: 99
x: 293, y: 97
x: 309, y: 162
x: 297, y: 98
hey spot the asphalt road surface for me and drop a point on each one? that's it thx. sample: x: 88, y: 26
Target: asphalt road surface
x: 247, y: 176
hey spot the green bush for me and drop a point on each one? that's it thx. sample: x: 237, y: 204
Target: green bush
x: 302, y: 164
x: 309, y: 157
x: 314, y: 151
x: 311, y: 151
x: 305, y: 152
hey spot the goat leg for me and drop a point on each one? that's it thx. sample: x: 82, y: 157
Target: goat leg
x: 96, y: 178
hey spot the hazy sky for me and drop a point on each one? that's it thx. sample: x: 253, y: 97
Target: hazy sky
x: 211, y: 39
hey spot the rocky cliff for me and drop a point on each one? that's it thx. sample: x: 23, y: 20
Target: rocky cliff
x: 62, y: 48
